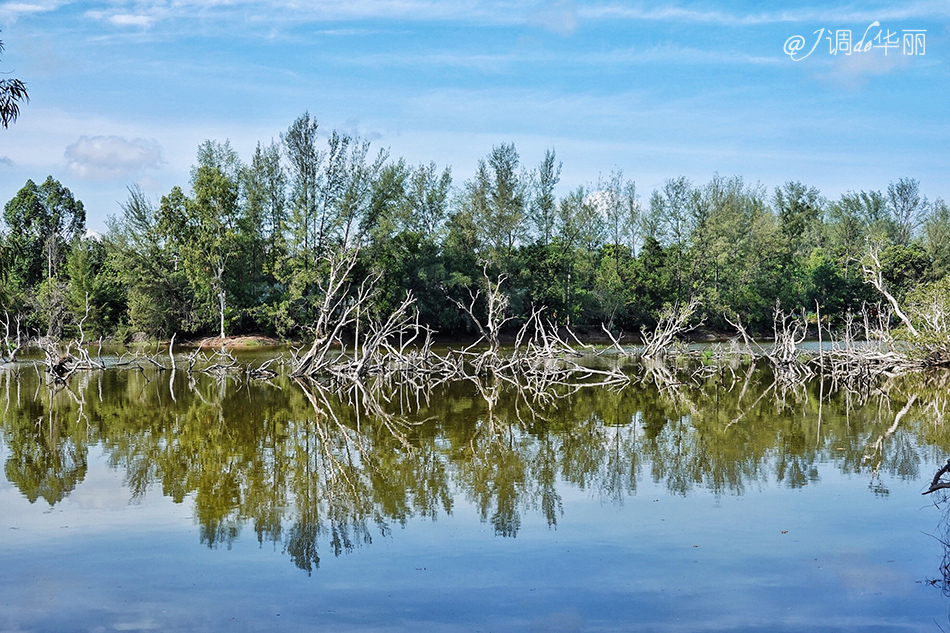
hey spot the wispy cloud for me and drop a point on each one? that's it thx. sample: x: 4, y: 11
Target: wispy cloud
x: 143, y: 17
x: 347, y: 32
x: 687, y: 13
x: 558, y: 16
x: 11, y: 11
x: 851, y: 72
x: 503, y: 62
x: 291, y: 13
x: 129, y: 19
x: 112, y: 157
x: 6, y: 161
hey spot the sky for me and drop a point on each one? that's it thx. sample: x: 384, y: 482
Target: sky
x: 123, y: 91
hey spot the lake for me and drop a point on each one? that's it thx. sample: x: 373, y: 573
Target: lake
x: 720, y: 500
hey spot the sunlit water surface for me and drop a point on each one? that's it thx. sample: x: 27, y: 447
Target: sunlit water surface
x: 150, y: 501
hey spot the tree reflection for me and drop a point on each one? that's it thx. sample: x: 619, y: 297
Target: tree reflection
x: 47, y: 448
x: 323, y: 469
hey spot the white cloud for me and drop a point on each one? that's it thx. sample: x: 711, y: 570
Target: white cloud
x: 851, y: 71
x: 10, y: 11
x: 112, y: 157
x: 559, y: 16
x: 120, y: 18
x: 686, y: 13
x: 289, y: 11
x: 128, y: 19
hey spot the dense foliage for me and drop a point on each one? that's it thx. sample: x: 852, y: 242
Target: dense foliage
x: 242, y: 247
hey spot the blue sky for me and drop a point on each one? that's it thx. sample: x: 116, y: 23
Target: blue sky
x: 124, y: 91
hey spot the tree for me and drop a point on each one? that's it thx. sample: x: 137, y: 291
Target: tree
x: 43, y: 221
x: 12, y: 93
x: 580, y: 235
x: 671, y: 222
x: 209, y: 230
x: 300, y: 146
x: 265, y: 187
x: 404, y: 222
x: 543, y: 203
x: 851, y: 219
x: 937, y: 238
x: 354, y: 200
x: 907, y: 209
x: 496, y: 201
x: 147, y: 267
x: 621, y: 209
x: 93, y: 291
x: 427, y: 198
x: 799, y: 209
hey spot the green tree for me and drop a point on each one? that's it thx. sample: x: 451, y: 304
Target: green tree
x: 43, y: 221
x: 937, y: 239
x: 208, y: 230
x: 800, y: 214
x: 94, y: 290
x: 404, y: 227
x: 903, y: 267
x: 496, y: 200
x: 265, y: 184
x: 148, y: 267
x: 907, y: 208
x: 671, y: 221
x: 12, y: 93
x: 300, y: 146
x: 621, y: 211
x: 543, y: 203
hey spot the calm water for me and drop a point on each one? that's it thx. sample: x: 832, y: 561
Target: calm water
x: 146, y: 501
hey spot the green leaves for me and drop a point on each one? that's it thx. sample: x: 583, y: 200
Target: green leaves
x: 12, y: 93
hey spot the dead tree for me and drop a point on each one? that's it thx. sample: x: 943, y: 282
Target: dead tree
x: 379, y: 345
x: 673, y: 322
x: 874, y: 275
x: 336, y: 311
x: 10, y: 349
x: 497, y: 306
x: 790, y: 329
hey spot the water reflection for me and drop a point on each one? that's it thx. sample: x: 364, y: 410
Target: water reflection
x: 319, y: 469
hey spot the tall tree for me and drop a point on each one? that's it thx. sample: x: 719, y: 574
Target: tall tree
x: 671, y: 222
x: 621, y: 209
x: 427, y: 198
x: 937, y: 238
x: 800, y: 214
x: 907, y: 209
x: 300, y: 145
x: 496, y: 201
x: 265, y: 184
x: 543, y: 202
x: 354, y: 200
x: 209, y: 228
x: 148, y: 267
x: 43, y: 221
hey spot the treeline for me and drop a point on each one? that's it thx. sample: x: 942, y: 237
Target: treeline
x: 243, y: 247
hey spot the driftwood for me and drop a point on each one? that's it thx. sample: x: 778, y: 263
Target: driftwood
x: 938, y: 483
